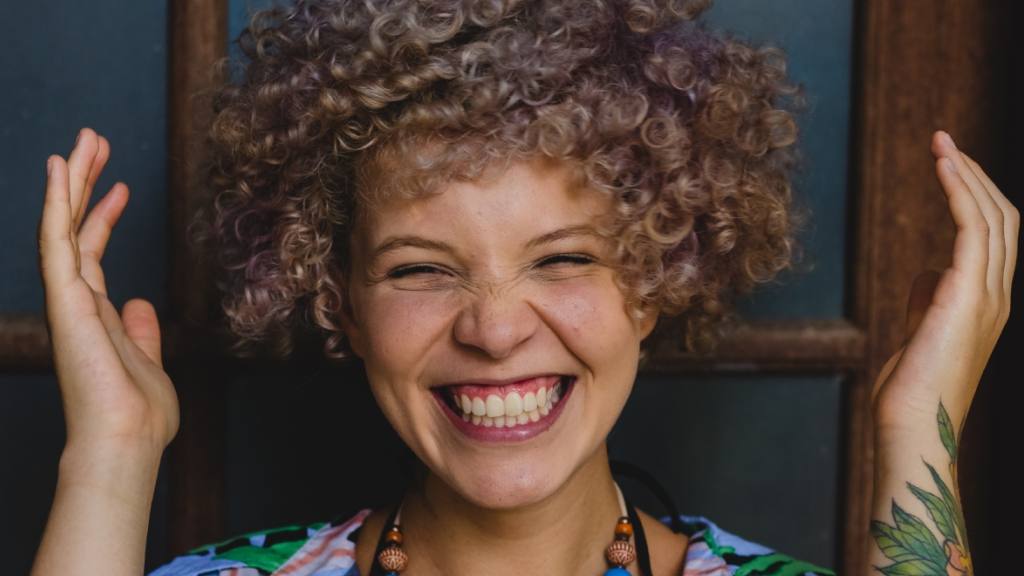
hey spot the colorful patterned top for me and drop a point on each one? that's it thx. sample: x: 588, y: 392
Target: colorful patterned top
x: 328, y: 549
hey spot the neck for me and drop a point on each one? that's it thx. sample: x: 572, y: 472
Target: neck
x: 566, y: 533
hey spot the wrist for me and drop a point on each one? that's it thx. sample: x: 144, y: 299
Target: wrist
x: 125, y: 469
x: 101, y: 510
x: 900, y: 412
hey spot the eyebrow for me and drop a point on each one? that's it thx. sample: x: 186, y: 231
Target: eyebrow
x: 396, y: 242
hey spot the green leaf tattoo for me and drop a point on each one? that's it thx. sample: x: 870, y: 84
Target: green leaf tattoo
x: 946, y: 433
x: 911, y: 544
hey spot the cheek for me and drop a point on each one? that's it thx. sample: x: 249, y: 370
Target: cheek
x: 593, y: 321
x: 399, y: 328
x: 591, y: 314
x: 399, y: 325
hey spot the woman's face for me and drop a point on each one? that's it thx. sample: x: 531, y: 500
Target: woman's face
x: 471, y: 286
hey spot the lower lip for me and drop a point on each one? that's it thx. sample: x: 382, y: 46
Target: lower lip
x: 517, y: 433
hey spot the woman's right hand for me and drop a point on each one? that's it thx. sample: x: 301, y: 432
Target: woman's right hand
x: 115, y: 392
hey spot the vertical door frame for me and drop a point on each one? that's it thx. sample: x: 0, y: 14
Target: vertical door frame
x: 196, y: 507
x: 922, y: 66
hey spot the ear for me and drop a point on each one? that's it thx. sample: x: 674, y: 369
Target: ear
x: 647, y: 322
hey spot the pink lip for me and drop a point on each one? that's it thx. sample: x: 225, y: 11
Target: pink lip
x: 493, y: 382
x: 517, y: 433
x: 502, y: 390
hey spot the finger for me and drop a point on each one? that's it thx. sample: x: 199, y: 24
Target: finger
x: 98, y: 163
x: 79, y: 163
x: 57, y: 261
x: 96, y: 230
x: 1011, y: 221
x: 141, y: 325
x: 993, y: 216
x: 970, y: 247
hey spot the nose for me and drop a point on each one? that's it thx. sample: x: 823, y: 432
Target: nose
x: 496, y: 322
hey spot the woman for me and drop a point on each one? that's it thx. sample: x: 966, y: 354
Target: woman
x: 490, y: 205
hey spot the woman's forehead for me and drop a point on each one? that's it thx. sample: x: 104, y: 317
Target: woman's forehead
x: 398, y: 176
x: 521, y: 194
x: 415, y: 165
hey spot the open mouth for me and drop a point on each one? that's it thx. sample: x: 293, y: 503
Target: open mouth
x: 516, y: 411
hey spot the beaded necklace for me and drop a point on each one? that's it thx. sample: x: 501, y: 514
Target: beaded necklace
x: 391, y: 559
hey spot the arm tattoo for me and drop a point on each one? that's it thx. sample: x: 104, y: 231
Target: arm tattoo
x: 911, y: 544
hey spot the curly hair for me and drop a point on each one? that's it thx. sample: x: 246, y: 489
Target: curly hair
x: 690, y: 131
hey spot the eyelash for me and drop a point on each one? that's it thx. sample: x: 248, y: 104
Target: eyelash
x: 575, y: 258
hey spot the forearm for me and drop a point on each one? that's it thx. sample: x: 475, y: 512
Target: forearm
x: 100, y: 513
x: 916, y: 515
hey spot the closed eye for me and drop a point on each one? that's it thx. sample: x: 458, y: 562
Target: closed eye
x: 410, y: 270
x: 576, y: 259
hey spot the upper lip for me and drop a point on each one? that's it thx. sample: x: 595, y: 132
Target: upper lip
x: 505, y: 382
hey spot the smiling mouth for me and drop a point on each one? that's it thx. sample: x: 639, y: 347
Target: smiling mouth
x: 506, y: 412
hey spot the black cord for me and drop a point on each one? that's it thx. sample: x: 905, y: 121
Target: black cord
x: 642, y: 556
x: 618, y: 467
x: 375, y: 567
x: 626, y: 469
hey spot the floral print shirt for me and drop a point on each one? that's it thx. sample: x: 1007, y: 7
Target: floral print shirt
x: 328, y: 549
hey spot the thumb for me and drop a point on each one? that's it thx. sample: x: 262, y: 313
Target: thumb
x: 921, y: 294
x: 143, y: 328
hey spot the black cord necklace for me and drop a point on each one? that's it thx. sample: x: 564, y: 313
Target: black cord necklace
x: 389, y: 559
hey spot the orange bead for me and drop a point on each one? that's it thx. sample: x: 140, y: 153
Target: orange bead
x: 624, y: 529
x: 394, y: 535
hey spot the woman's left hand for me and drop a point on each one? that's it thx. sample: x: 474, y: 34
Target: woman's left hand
x: 955, y: 317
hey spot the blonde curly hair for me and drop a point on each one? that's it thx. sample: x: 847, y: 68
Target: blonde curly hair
x: 691, y: 132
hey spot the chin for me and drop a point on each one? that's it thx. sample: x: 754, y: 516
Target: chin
x: 508, y: 485
x: 510, y: 477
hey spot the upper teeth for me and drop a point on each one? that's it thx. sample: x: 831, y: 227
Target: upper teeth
x: 511, y: 410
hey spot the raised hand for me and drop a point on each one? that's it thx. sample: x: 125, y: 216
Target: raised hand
x: 954, y: 317
x: 112, y: 383
x: 119, y: 405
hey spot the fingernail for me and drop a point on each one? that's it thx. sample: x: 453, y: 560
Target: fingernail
x: 950, y: 138
x: 949, y: 165
x: 79, y: 137
x: 49, y: 166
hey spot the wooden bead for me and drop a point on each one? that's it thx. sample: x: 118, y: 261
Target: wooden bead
x: 394, y: 535
x: 393, y: 559
x: 620, y: 553
x: 624, y: 528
